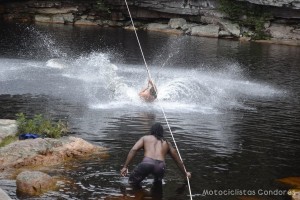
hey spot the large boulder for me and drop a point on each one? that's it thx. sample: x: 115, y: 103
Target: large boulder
x: 7, y: 128
x: 177, y: 23
x: 163, y: 28
x: 230, y: 27
x: 282, y: 31
x: 34, y: 183
x: 55, y: 19
x: 206, y: 31
x: 47, y: 151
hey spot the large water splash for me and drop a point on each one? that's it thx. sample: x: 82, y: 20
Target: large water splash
x: 108, y: 86
x: 101, y: 84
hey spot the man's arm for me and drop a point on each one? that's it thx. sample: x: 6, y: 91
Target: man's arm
x: 173, y: 153
x: 152, y: 84
x: 138, y: 145
x: 143, y: 90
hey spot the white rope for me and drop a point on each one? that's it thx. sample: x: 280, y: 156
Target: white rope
x: 163, y: 111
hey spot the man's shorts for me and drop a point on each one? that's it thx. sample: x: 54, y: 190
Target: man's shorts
x: 146, y: 167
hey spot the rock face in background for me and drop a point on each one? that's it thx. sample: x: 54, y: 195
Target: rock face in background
x: 195, y: 17
x: 294, y: 4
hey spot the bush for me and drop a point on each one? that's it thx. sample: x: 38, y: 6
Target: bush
x: 41, y: 126
x: 252, y: 16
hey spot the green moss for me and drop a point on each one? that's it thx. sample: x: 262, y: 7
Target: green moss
x: 7, y: 140
x: 248, y: 15
x: 41, y: 126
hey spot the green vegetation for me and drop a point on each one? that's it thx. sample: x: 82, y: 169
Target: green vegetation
x: 41, y: 126
x: 7, y: 140
x: 251, y: 16
x: 102, y: 6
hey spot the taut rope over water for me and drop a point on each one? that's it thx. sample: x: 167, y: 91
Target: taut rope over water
x: 162, y: 109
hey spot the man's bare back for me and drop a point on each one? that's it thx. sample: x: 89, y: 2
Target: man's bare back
x: 154, y: 148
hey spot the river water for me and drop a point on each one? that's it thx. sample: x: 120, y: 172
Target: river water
x: 233, y: 107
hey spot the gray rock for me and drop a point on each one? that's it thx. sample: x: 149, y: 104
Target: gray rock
x: 164, y: 28
x: 280, y: 31
x: 43, y: 18
x: 7, y: 128
x: 177, y: 23
x: 177, y: 7
x: 3, y: 195
x: 34, y: 183
x: 295, y: 4
x: 187, y: 27
x: 206, y: 31
x: 267, y: 24
x: 209, y: 20
x: 56, y: 10
x: 86, y: 22
x: 156, y: 26
x: 69, y: 18
x: 58, y: 19
x: 224, y: 34
x: 232, y: 28
x: 43, y: 4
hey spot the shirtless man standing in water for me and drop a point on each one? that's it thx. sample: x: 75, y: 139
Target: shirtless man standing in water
x: 155, y: 150
x: 149, y: 93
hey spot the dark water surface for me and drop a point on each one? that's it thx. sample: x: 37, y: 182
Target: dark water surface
x: 233, y: 107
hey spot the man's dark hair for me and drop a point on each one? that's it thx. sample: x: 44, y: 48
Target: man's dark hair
x: 158, y: 131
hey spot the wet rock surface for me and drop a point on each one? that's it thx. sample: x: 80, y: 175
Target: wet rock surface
x: 47, y: 151
x: 34, y: 183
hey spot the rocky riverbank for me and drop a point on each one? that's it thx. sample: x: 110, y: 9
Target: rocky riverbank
x: 32, y: 154
x: 267, y: 21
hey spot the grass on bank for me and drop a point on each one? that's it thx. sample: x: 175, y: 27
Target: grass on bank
x: 7, y: 140
x: 40, y: 126
x: 37, y: 125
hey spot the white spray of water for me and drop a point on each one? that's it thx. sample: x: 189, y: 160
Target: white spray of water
x: 179, y: 90
x: 45, y: 41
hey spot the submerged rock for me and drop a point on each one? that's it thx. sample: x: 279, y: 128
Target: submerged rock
x: 45, y: 152
x: 34, y: 183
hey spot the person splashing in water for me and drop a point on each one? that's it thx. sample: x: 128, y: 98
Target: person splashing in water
x: 149, y: 94
x: 155, y: 149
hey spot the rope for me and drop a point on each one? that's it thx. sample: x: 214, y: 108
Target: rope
x: 138, y: 40
x: 163, y: 111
